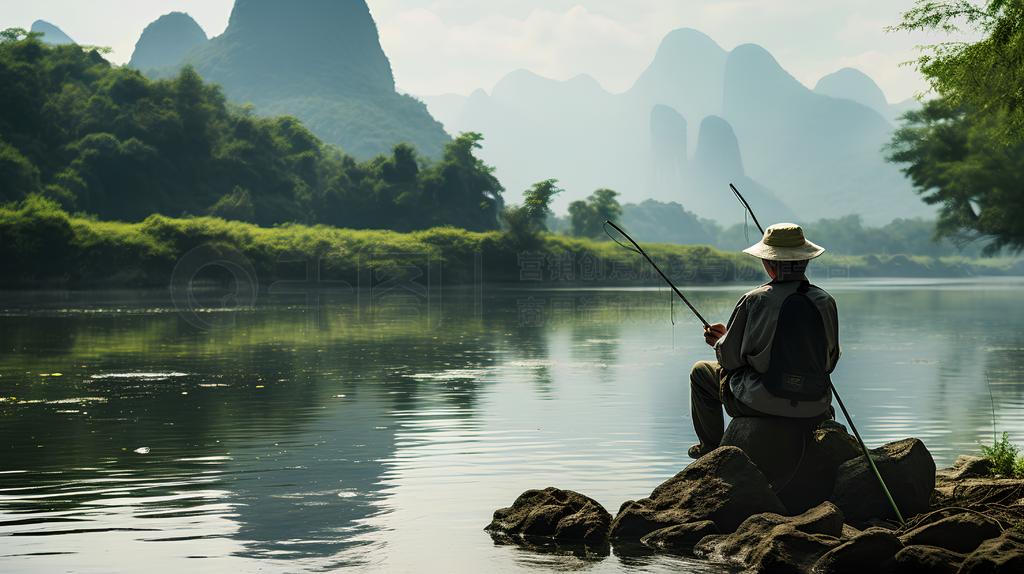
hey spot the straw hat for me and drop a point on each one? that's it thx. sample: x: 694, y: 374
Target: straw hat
x: 784, y: 242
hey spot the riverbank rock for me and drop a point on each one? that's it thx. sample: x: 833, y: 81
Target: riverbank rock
x: 722, y: 486
x: 865, y: 552
x: 923, y: 560
x: 554, y: 513
x: 772, y: 542
x: 721, y: 508
x: 1004, y: 554
x: 799, y: 458
x: 954, y: 529
x: 909, y: 473
x: 681, y: 536
x: 969, y: 483
x: 966, y: 466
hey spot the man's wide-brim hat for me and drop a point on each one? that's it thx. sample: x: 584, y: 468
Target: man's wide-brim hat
x: 784, y: 242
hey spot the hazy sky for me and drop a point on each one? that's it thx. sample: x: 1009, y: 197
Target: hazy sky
x: 459, y: 45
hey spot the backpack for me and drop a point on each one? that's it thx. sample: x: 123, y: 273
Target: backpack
x: 799, y: 351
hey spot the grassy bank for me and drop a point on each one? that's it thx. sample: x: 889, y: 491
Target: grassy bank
x: 43, y: 245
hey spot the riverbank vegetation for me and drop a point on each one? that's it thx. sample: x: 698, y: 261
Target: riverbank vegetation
x: 46, y: 245
x: 1003, y: 456
x: 107, y: 177
x: 108, y: 141
x: 964, y: 150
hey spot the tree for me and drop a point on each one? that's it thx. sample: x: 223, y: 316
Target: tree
x: 14, y: 34
x: 986, y: 76
x: 587, y: 217
x: 957, y: 159
x: 538, y: 200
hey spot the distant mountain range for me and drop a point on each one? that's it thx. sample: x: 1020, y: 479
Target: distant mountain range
x: 318, y: 60
x: 795, y: 153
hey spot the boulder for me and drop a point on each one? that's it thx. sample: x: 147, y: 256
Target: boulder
x: 555, y: 513
x: 923, y: 560
x: 681, y: 535
x: 864, y: 553
x: 799, y: 462
x: 953, y: 488
x: 1004, y: 554
x: 722, y: 486
x: 953, y: 529
x: 966, y: 466
x: 771, y: 542
x: 909, y: 473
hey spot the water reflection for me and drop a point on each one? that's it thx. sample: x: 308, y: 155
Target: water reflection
x: 134, y: 439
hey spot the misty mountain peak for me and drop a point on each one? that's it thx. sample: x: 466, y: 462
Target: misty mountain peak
x: 283, y: 42
x: 165, y: 40
x: 320, y: 61
x: 852, y: 84
x: 751, y: 67
x: 686, y: 41
x: 718, y: 150
x: 51, y: 34
x: 686, y: 75
x: 522, y: 85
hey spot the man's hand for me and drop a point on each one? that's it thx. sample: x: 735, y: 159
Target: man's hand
x: 714, y: 333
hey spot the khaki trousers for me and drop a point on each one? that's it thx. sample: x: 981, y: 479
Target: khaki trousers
x: 708, y: 394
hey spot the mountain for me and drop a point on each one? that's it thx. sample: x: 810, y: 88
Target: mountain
x: 166, y: 40
x: 686, y: 75
x: 321, y: 61
x: 51, y: 34
x: 821, y: 155
x: 794, y: 153
x: 855, y: 85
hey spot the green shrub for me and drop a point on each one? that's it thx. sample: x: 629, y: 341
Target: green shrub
x: 1004, y: 458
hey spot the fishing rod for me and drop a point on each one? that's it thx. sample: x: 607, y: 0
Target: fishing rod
x: 641, y: 252
x: 846, y: 413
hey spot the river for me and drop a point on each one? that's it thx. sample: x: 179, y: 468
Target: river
x: 381, y: 438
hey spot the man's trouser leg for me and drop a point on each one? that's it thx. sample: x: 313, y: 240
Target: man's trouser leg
x: 706, y: 404
x: 707, y: 397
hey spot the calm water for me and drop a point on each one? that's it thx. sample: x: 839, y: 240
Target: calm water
x: 382, y: 440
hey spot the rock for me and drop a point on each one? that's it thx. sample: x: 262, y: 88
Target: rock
x: 800, y: 464
x: 967, y: 491
x: 723, y: 486
x: 849, y: 533
x: 909, y: 473
x: 998, y: 555
x: 961, y: 532
x: 552, y: 512
x: 861, y: 554
x: 771, y: 542
x: 680, y: 535
x: 923, y: 560
x: 966, y: 466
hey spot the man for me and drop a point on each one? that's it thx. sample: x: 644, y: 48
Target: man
x: 776, y: 354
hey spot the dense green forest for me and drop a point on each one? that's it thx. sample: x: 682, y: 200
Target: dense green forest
x: 108, y: 141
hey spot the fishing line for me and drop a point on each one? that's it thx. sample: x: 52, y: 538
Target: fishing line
x: 656, y: 268
x: 849, y: 419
